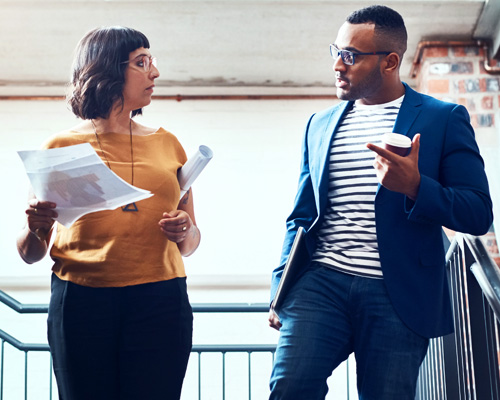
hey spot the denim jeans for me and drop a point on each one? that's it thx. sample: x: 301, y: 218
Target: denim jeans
x: 328, y: 315
x: 120, y: 343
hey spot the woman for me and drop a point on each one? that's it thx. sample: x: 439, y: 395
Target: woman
x: 120, y: 322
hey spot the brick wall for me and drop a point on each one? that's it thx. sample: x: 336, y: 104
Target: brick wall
x: 457, y: 74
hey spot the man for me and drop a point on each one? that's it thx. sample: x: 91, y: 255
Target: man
x: 376, y: 281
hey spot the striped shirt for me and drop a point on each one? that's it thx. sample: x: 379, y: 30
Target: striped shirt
x: 347, y: 238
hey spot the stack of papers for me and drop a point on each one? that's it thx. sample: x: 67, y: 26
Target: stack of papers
x: 78, y: 181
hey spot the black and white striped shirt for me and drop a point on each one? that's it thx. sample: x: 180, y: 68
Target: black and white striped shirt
x: 347, y: 239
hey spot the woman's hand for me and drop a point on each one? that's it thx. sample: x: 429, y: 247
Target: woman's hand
x: 40, y: 217
x: 179, y: 226
x: 176, y: 225
x: 32, y: 241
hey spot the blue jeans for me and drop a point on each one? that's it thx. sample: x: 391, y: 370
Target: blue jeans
x: 328, y: 315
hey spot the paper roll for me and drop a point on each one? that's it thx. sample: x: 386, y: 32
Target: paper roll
x: 193, y: 167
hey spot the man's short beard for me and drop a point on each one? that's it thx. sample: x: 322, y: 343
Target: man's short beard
x: 364, y: 89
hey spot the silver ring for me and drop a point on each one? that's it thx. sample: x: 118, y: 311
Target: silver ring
x: 184, y: 228
x: 36, y: 210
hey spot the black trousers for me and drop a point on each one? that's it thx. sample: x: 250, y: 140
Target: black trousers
x: 124, y: 343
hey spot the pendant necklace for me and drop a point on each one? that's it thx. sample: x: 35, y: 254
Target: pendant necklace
x: 131, y: 206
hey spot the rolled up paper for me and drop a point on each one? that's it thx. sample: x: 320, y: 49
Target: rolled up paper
x: 193, y: 167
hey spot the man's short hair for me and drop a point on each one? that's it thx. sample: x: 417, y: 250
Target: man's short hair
x: 390, y: 30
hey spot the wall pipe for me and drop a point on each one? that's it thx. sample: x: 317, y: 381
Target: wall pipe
x: 490, y: 69
x: 422, y: 45
x: 180, y: 97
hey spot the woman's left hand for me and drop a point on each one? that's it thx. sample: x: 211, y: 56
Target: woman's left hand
x: 176, y: 225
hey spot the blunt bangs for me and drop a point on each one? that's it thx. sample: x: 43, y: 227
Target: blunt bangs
x: 98, y: 73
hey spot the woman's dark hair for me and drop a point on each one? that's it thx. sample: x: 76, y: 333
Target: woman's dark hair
x: 390, y: 28
x: 98, y: 72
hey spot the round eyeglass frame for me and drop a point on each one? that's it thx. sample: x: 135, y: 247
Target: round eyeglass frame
x: 147, y: 60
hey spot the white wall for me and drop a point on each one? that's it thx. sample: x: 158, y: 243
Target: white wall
x: 241, y: 199
x: 211, y: 42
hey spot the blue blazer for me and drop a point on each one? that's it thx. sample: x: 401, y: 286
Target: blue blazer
x: 453, y: 193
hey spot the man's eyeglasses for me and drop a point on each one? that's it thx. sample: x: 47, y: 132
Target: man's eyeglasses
x: 143, y: 62
x: 348, y: 57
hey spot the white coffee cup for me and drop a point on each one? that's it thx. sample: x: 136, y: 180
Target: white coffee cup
x: 397, y: 143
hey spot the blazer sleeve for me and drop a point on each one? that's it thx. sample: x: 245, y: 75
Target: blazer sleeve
x: 457, y: 196
x: 304, y: 211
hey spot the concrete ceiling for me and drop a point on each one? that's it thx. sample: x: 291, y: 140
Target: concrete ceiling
x: 211, y: 44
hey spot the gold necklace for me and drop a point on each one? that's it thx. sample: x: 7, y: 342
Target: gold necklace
x: 131, y: 206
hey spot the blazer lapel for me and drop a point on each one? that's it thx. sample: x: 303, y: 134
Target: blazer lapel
x: 323, y: 159
x: 409, y: 111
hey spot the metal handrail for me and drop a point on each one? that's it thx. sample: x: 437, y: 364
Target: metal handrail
x: 484, y: 269
x: 22, y: 308
x: 465, y: 364
x: 230, y: 307
x: 235, y: 348
x: 223, y: 349
x: 486, y: 272
x: 437, y: 374
x: 197, y: 308
x: 21, y: 345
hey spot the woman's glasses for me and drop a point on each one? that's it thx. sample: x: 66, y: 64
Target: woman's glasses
x: 143, y: 62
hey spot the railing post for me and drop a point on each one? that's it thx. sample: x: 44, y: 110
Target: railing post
x: 493, y: 341
x: 249, y: 375
x: 1, y: 370
x: 199, y: 376
x: 451, y: 345
x: 223, y: 375
x: 479, y: 334
x: 452, y: 383
x: 25, y: 375
x: 50, y: 375
x: 347, y: 379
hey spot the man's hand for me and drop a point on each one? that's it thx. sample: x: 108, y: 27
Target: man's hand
x: 396, y: 173
x: 274, y: 321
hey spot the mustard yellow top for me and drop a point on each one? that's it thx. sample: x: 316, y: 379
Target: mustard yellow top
x: 117, y: 248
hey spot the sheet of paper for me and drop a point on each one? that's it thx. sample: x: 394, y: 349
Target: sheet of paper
x: 78, y: 181
x: 193, y: 167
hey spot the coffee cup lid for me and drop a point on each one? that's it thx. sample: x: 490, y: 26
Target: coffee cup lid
x: 396, y: 139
